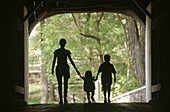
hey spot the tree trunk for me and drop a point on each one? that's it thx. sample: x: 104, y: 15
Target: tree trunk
x: 128, y: 58
x: 98, y: 41
x: 51, y: 94
x: 126, y: 45
x: 44, y: 98
x: 137, y: 48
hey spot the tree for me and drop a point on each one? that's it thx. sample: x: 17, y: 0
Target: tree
x: 137, y: 47
x: 136, y: 36
x: 44, y: 98
x: 126, y: 45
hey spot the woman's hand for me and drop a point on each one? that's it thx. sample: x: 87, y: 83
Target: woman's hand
x: 52, y: 72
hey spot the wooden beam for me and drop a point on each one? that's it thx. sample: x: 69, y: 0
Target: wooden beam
x: 39, y: 18
x: 148, y: 65
x: 136, y: 17
x: 19, y: 89
x: 26, y: 59
x: 143, y: 10
x: 30, y: 13
x: 156, y: 88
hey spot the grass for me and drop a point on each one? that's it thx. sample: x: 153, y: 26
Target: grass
x: 35, y: 100
x: 35, y: 93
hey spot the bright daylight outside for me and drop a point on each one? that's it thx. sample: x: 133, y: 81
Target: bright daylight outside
x: 89, y: 37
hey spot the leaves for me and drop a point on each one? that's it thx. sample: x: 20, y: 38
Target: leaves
x: 85, y: 51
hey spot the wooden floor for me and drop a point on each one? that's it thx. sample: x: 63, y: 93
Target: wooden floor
x: 95, y: 107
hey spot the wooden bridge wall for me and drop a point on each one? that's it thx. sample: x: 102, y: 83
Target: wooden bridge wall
x: 12, y: 71
x: 160, y: 45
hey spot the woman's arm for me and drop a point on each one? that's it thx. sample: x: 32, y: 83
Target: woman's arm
x: 73, y: 64
x: 53, y: 64
x: 114, y: 77
x: 81, y: 77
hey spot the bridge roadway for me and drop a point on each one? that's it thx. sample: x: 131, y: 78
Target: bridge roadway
x: 83, y: 107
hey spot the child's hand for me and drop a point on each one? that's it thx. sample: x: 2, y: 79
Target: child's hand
x: 95, y: 79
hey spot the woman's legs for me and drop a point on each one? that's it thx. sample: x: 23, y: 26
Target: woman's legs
x: 59, y: 79
x: 65, y: 89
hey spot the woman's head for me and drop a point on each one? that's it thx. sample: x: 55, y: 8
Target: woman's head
x: 62, y: 43
x: 88, y: 74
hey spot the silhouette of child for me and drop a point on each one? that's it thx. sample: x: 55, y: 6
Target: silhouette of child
x: 89, y: 85
x: 107, y: 69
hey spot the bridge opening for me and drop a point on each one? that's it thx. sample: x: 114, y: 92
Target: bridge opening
x: 14, y: 73
x: 89, y: 37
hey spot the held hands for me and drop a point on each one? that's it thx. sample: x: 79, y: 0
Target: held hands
x: 96, y: 79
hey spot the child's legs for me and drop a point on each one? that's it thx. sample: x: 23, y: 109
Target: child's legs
x: 104, y: 91
x: 92, y: 96
x: 88, y: 96
x: 109, y: 92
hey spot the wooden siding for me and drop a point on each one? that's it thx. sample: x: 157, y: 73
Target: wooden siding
x: 12, y: 71
x: 161, y: 55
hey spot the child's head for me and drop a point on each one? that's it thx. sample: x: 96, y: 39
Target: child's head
x: 88, y: 74
x: 107, y: 58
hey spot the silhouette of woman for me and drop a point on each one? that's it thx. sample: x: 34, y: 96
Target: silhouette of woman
x: 62, y: 68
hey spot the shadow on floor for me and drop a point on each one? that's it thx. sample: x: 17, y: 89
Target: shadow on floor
x: 95, y: 107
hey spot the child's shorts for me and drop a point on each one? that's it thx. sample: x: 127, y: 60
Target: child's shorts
x: 105, y: 87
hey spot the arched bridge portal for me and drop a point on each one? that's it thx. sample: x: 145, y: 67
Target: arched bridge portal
x: 19, y: 17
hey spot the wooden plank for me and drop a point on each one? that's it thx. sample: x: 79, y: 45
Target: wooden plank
x: 19, y: 89
x: 30, y: 13
x: 156, y: 88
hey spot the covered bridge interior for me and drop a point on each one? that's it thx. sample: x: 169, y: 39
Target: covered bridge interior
x: 18, y: 18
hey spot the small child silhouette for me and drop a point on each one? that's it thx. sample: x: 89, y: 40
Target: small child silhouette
x: 107, y: 69
x: 89, y: 85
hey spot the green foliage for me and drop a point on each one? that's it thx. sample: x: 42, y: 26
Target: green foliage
x: 35, y: 92
x: 123, y: 85
x: 85, y: 51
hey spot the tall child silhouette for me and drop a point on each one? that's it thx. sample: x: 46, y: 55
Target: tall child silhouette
x: 62, y: 68
x: 89, y: 85
x: 107, y: 69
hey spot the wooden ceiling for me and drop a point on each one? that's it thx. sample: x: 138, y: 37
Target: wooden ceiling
x: 40, y: 9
